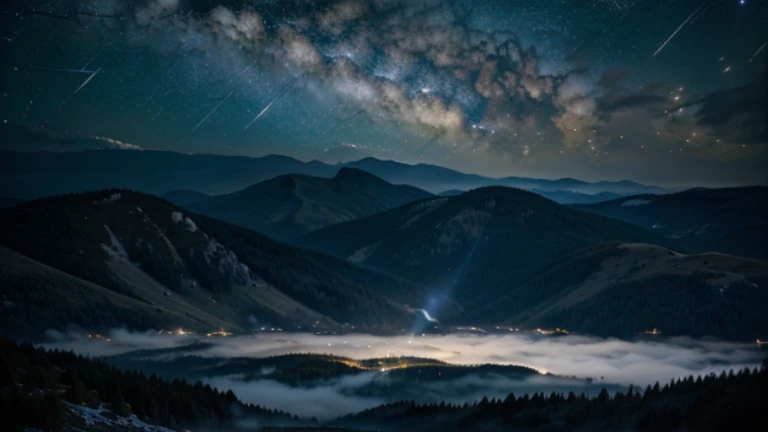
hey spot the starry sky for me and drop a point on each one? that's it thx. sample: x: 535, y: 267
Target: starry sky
x: 668, y: 92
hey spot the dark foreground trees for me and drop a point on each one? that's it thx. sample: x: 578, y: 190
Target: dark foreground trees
x: 36, y: 386
x: 729, y: 401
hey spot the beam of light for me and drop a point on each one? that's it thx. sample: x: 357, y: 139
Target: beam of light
x: 678, y: 29
x: 427, y: 315
x: 266, y: 108
x: 758, y: 51
x: 213, y: 111
x: 85, y: 83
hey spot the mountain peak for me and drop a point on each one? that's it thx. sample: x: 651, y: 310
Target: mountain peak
x: 370, y: 159
x: 354, y: 173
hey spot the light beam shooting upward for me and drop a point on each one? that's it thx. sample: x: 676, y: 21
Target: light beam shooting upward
x: 678, y: 29
x: 213, y: 111
x: 273, y: 101
x: 427, y: 315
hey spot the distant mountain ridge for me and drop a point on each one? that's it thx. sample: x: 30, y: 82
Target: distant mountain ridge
x: 291, y: 205
x: 436, y: 179
x: 29, y: 175
x: 728, y: 220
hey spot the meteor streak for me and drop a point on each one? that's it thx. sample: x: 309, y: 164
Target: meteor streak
x: 85, y: 83
x: 213, y: 110
x: 757, y: 52
x: 243, y: 72
x: 273, y: 101
x: 678, y: 29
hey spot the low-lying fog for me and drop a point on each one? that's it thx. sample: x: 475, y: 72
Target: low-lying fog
x: 608, y: 361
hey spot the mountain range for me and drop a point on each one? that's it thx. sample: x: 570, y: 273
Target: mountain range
x: 510, y: 256
x: 490, y: 256
x: 117, y: 257
x: 291, y: 205
x: 28, y: 175
x: 728, y: 220
x: 479, y: 243
x: 621, y: 289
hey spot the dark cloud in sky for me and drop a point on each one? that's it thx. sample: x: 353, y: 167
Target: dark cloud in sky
x: 508, y: 88
x: 739, y: 114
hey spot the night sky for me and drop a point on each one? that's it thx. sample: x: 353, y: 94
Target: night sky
x: 669, y: 92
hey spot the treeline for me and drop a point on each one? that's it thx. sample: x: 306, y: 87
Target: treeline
x: 677, y: 305
x: 35, y: 383
x: 729, y: 401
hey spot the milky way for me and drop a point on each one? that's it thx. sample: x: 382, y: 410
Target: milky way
x: 549, y: 88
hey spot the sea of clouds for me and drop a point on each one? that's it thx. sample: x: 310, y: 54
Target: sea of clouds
x: 611, y: 363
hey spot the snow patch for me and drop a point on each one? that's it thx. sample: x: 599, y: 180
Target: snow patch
x: 227, y: 263
x: 362, y: 254
x: 188, y: 223
x: 103, y: 418
x: 635, y: 202
x: 112, y: 198
x: 165, y: 240
x: 117, y: 143
x: 116, y: 246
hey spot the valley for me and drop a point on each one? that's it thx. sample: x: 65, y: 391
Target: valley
x: 313, y: 303
x: 383, y: 216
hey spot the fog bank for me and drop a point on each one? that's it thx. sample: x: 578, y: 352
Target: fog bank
x: 627, y: 362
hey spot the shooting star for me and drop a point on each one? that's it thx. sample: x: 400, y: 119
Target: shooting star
x: 213, y: 111
x: 757, y: 52
x: 273, y: 101
x: 243, y: 72
x: 678, y: 29
x: 85, y: 83
x: 91, y: 60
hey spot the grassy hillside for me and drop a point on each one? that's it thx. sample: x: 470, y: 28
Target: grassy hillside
x: 626, y: 289
x: 37, y: 298
x: 475, y: 245
x: 144, y: 248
